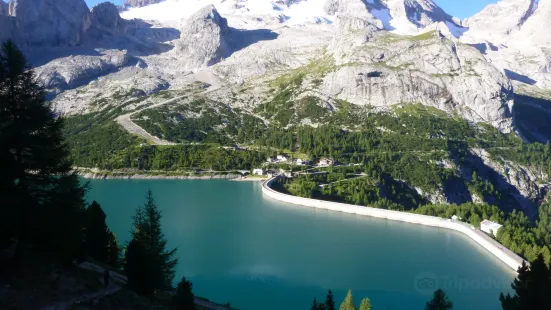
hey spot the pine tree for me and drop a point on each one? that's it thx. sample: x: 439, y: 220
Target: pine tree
x: 184, y: 298
x: 439, y: 301
x: 365, y: 304
x: 149, y: 241
x: 315, y: 305
x: 41, y: 195
x: 329, y: 301
x: 97, y: 234
x: 113, y: 251
x: 532, y: 288
x: 348, y: 303
x: 138, y: 268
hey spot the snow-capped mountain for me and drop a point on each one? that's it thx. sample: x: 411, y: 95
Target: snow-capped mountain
x: 400, y: 16
x: 418, y: 52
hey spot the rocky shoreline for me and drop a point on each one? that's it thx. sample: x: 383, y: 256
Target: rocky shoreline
x: 113, y: 175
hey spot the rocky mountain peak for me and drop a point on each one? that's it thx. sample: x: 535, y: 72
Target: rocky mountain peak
x: 535, y: 30
x: 354, y: 15
x: 106, y: 15
x: 497, y: 21
x: 208, y: 17
x: 50, y: 22
x: 204, y: 38
x: 422, y: 12
x: 404, y: 16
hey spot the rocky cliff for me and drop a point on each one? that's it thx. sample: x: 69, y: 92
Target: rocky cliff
x: 495, y: 22
x: 204, y: 38
x: 387, y: 70
x: 4, y: 8
x: 105, y: 16
x: 50, y: 22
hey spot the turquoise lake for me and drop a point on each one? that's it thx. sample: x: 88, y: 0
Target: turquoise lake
x: 239, y: 246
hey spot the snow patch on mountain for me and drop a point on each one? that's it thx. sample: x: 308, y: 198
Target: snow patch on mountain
x: 310, y: 11
x: 406, y: 17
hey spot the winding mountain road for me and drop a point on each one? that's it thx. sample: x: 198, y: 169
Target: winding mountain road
x: 126, y: 120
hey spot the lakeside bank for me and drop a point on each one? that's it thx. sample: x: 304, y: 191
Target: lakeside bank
x: 508, y: 257
x: 97, y: 174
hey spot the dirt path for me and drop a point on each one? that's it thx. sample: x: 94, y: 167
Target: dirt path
x: 112, y: 288
x: 126, y: 122
x: 210, y: 305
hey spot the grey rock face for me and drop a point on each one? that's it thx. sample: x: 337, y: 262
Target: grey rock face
x: 420, y: 12
x: 204, y: 38
x: 139, y: 3
x: 7, y: 27
x: 435, y: 72
x: 354, y: 15
x: 4, y: 8
x: 106, y: 16
x: 535, y: 30
x: 68, y: 72
x: 523, y: 179
x: 331, y: 7
x: 497, y: 21
x: 50, y: 22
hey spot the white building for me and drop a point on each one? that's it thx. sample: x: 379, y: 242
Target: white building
x: 302, y: 162
x: 325, y: 162
x: 490, y: 227
x: 258, y: 171
x: 282, y: 158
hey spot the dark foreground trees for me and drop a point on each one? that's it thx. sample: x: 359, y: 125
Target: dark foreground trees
x: 347, y: 304
x: 41, y: 199
x: 100, y: 243
x: 184, y: 298
x: 148, y: 265
x: 328, y: 305
x: 439, y: 301
x: 532, y: 288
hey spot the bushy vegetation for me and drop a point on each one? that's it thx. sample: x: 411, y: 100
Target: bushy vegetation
x: 197, y: 121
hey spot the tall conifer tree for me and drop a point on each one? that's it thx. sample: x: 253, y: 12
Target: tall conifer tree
x: 148, y: 240
x: 40, y: 194
x: 439, y: 301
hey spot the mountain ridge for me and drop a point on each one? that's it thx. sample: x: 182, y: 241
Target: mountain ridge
x: 258, y: 35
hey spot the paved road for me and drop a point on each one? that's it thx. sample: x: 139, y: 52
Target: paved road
x: 126, y: 122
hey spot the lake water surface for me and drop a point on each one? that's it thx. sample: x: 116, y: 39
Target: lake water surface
x: 239, y: 246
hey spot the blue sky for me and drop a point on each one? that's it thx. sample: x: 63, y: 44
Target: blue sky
x: 459, y: 8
